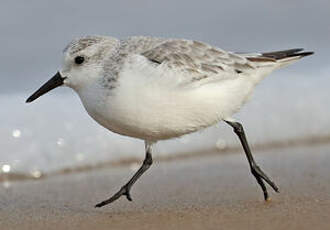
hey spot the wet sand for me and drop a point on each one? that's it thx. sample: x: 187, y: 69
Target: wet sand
x: 213, y: 192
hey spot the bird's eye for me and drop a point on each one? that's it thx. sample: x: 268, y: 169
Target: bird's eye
x: 79, y: 60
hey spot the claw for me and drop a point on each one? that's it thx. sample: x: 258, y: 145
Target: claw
x: 123, y: 191
x: 99, y: 205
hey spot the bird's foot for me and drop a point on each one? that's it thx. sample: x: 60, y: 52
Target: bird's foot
x: 124, y: 191
x: 260, y: 176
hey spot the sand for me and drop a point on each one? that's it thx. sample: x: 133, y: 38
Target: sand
x: 213, y: 192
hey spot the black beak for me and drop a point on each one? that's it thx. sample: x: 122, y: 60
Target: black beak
x: 54, y: 82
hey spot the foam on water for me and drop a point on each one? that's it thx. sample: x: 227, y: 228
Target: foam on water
x: 55, y: 132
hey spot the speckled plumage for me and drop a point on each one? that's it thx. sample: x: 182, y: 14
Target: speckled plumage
x: 77, y: 45
x: 197, y: 60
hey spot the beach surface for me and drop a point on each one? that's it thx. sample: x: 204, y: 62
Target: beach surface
x: 212, y: 192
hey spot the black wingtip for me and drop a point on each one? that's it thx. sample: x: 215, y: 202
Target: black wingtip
x: 287, y: 53
x: 304, y: 54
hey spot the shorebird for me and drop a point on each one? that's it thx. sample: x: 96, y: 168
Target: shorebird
x: 156, y: 89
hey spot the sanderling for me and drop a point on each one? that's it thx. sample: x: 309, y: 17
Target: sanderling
x: 156, y: 89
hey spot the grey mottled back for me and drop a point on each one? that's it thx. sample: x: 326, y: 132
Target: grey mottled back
x: 196, y: 59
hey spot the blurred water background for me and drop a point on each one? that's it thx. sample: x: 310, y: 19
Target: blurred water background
x: 55, y: 132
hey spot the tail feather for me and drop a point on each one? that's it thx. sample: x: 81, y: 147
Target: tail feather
x: 278, y: 55
x: 277, y: 59
x: 269, y: 61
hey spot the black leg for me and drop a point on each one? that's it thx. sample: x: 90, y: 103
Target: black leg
x: 255, y: 169
x: 125, y: 190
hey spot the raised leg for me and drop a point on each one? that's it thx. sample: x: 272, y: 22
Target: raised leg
x: 125, y: 190
x: 255, y: 169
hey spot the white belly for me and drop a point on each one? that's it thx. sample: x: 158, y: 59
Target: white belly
x: 155, y: 112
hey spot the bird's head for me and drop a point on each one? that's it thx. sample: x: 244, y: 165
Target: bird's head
x: 83, y: 62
